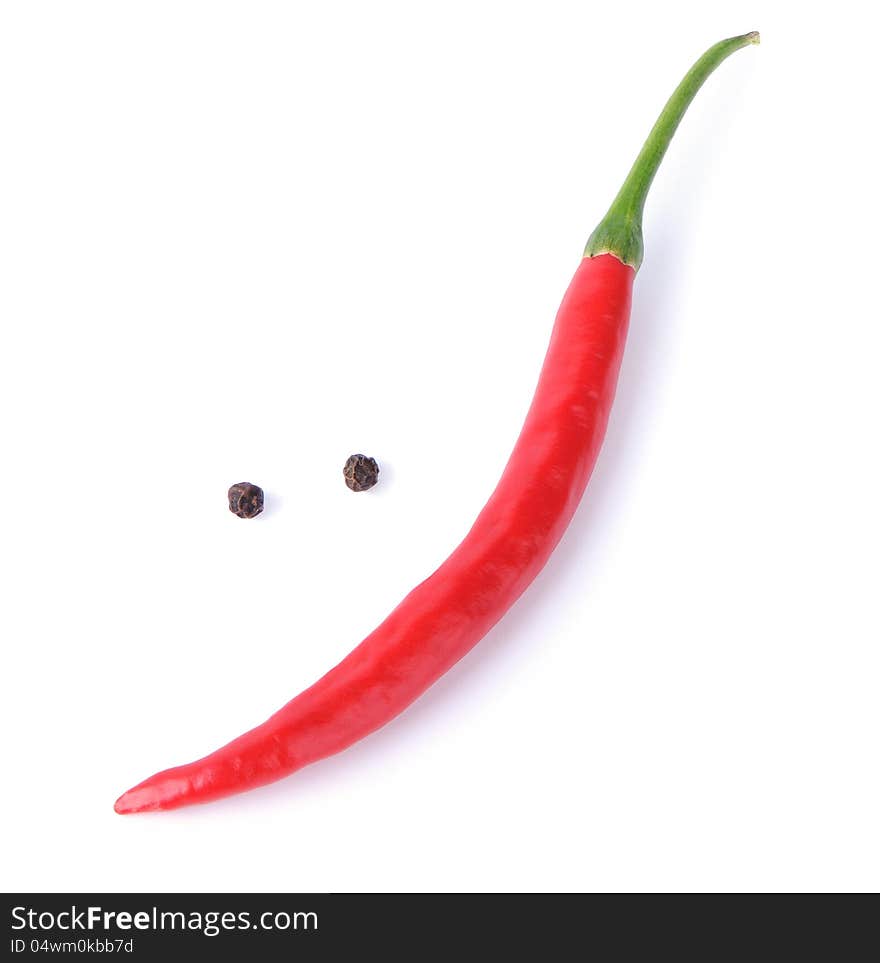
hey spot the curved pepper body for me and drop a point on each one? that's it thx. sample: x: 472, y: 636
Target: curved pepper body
x: 447, y: 614
x: 512, y: 538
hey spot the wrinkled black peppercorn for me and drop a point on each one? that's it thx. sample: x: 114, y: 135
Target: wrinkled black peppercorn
x: 245, y: 500
x: 360, y: 473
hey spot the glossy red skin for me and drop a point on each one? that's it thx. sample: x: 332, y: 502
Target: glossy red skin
x: 448, y: 613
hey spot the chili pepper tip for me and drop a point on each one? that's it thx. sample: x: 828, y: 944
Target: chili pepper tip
x: 141, y: 799
x: 127, y: 803
x: 165, y: 790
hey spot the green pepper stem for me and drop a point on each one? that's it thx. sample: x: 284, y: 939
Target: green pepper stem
x: 620, y: 231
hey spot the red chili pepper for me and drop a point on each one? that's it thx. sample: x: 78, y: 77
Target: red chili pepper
x: 511, y: 540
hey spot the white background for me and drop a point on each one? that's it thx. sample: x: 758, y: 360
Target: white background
x: 243, y: 241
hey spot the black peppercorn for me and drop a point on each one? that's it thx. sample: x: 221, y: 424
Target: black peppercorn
x: 245, y: 500
x: 360, y: 473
